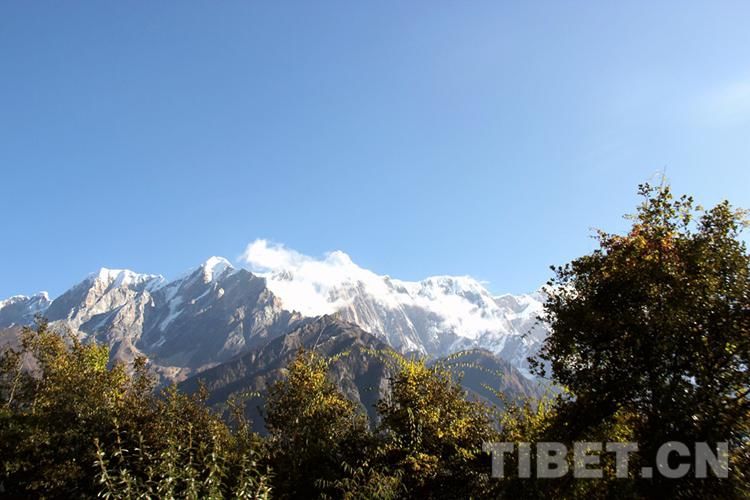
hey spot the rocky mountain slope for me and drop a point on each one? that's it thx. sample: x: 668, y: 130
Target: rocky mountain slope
x: 486, y: 376
x: 361, y: 366
x: 201, y: 319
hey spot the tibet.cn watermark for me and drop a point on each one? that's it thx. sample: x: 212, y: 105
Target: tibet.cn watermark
x: 673, y: 460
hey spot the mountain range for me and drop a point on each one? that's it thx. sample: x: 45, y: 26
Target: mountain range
x: 216, y: 318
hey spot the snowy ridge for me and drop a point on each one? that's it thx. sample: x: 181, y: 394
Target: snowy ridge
x: 21, y: 309
x: 316, y: 287
x: 16, y: 299
x: 204, y: 317
x: 215, y: 267
x: 436, y: 316
x: 125, y: 277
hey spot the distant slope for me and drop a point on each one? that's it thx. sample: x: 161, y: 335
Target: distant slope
x: 20, y: 310
x: 360, y: 368
x: 484, y: 375
x: 360, y: 374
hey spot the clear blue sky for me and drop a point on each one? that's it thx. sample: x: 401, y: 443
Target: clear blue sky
x: 480, y: 138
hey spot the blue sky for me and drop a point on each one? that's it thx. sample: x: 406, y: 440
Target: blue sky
x: 479, y: 138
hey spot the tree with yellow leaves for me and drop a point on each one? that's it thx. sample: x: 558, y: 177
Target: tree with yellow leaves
x: 655, y: 325
x: 434, y: 434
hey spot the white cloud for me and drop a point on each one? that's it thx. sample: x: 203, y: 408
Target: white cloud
x: 263, y: 257
x: 315, y: 286
x: 306, y: 283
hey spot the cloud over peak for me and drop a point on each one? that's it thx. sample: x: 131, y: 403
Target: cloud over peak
x: 307, y: 283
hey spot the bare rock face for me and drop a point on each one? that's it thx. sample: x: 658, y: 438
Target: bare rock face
x: 199, y: 322
x: 95, y: 299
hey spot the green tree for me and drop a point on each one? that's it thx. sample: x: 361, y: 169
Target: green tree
x: 546, y: 420
x: 434, y: 435
x: 185, y: 451
x: 317, y: 436
x: 655, y: 324
x: 58, y: 395
x: 74, y: 426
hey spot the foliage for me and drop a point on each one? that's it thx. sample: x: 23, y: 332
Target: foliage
x: 187, y: 452
x: 58, y: 395
x: 73, y: 426
x: 655, y: 324
x: 434, y: 434
x: 318, y: 439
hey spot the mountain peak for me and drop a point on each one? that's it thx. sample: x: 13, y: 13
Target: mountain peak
x: 21, y: 309
x: 214, y: 267
x: 123, y: 277
x: 13, y: 300
x: 453, y: 283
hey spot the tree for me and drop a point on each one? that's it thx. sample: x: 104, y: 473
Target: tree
x: 72, y: 425
x: 183, y: 451
x: 58, y: 395
x: 313, y: 429
x: 434, y: 435
x: 655, y: 324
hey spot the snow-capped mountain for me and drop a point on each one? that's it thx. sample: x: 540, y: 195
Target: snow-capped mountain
x: 215, y: 312
x: 201, y: 319
x: 101, y: 294
x: 20, y: 309
x: 435, y: 316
